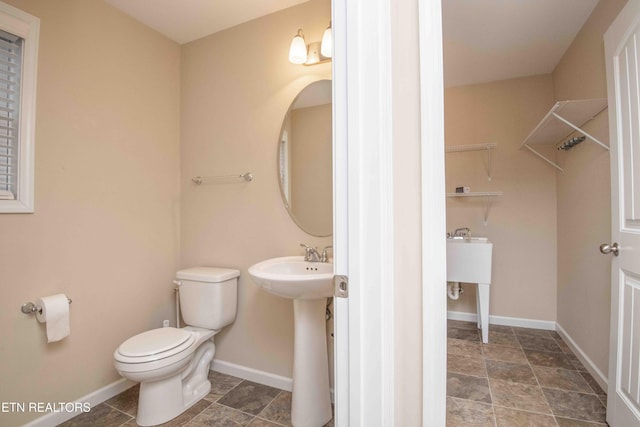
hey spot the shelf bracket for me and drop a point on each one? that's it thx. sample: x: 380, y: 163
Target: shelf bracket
x: 552, y: 163
x: 489, y: 163
x: 486, y: 207
x: 475, y: 147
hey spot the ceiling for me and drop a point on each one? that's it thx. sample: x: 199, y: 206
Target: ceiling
x: 186, y: 20
x: 484, y: 40
x: 489, y: 40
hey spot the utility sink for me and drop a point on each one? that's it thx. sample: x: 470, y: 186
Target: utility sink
x: 469, y: 260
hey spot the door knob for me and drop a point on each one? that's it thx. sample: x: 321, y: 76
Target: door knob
x: 606, y: 248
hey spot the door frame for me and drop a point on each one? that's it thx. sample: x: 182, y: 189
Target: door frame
x: 363, y: 213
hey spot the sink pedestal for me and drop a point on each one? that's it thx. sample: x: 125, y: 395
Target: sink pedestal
x: 311, y: 399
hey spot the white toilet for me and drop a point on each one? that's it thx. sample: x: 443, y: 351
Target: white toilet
x: 172, y: 364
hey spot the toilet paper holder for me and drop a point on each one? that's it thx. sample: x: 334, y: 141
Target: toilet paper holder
x: 30, y: 308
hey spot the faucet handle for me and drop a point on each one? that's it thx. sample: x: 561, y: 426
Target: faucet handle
x: 308, y: 251
x: 325, y: 257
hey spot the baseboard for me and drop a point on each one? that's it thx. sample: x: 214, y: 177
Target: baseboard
x: 586, y: 361
x: 548, y: 325
x: 260, y: 377
x: 53, y: 419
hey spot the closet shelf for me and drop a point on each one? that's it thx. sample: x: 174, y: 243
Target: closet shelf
x: 564, y: 118
x: 476, y: 194
x: 486, y: 195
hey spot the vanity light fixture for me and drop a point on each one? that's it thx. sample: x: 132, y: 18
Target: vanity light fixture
x: 314, y: 53
x: 326, y: 48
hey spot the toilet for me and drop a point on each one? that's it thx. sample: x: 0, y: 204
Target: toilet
x: 172, y: 364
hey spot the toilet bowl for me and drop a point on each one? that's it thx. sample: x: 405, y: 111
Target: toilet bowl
x: 172, y: 364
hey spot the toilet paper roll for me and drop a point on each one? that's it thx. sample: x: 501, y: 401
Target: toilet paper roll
x: 55, y: 312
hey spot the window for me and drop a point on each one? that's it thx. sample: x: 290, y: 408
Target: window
x: 18, y: 60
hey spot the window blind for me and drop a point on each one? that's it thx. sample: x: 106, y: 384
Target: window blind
x: 10, y: 72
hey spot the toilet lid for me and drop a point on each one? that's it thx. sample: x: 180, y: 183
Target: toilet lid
x: 163, y: 342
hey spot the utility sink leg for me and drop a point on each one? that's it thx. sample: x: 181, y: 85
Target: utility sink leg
x: 482, y: 299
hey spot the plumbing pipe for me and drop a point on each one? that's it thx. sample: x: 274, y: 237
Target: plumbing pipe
x: 177, y: 292
x: 454, y: 290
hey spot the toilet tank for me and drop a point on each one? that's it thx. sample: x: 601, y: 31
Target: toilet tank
x: 208, y: 296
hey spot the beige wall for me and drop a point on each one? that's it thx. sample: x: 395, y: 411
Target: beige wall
x: 584, y: 196
x: 237, y: 86
x: 311, y: 176
x: 522, y: 222
x: 105, y: 228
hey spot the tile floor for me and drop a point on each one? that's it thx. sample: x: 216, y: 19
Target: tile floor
x: 231, y: 402
x: 523, y: 377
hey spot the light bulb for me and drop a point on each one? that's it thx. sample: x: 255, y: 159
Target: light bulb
x: 298, y: 49
x: 326, y: 49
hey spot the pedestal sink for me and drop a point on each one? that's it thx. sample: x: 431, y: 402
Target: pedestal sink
x: 309, y: 284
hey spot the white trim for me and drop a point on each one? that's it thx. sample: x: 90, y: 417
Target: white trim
x: 26, y: 26
x: 341, y: 359
x: 369, y: 101
x: 548, y: 325
x: 257, y: 376
x: 434, y: 299
x: 250, y: 374
x: 94, y: 398
x: 596, y: 373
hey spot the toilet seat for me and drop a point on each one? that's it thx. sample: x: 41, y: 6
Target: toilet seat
x: 155, y: 345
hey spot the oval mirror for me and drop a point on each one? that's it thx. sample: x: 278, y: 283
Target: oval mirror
x: 305, y: 160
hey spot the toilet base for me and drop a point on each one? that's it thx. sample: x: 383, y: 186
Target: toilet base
x: 161, y: 401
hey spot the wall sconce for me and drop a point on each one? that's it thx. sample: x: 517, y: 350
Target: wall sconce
x: 314, y: 53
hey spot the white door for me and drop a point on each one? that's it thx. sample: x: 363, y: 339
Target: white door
x: 622, y: 52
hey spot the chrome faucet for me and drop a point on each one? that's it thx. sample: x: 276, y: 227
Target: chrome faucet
x: 325, y: 256
x: 459, y: 232
x: 311, y: 254
x: 464, y: 231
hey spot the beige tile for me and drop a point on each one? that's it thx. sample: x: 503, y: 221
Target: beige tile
x: 279, y: 410
x: 562, y: 379
x: 506, y: 417
x: 566, y: 422
x: 466, y: 365
x: 463, y: 334
x: 540, y: 343
x: 504, y: 353
x: 513, y: 372
x: 593, y: 384
x: 218, y: 415
x: 127, y: 401
x: 549, y: 359
x: 501, y: 328
x: 499, y: 338
x: 577, y: 406
x: 532, y: 332
x: 102, y: 415
x: 468, y: 387
x: 518, y: 396
x: 464, y: 413
x: 249, y: 397
x: 464, y: 348
x: 462, y: 324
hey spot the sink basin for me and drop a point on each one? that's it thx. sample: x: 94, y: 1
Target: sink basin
x: 293, y: 277
x: 469, y: 260
x: 308, y: 284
